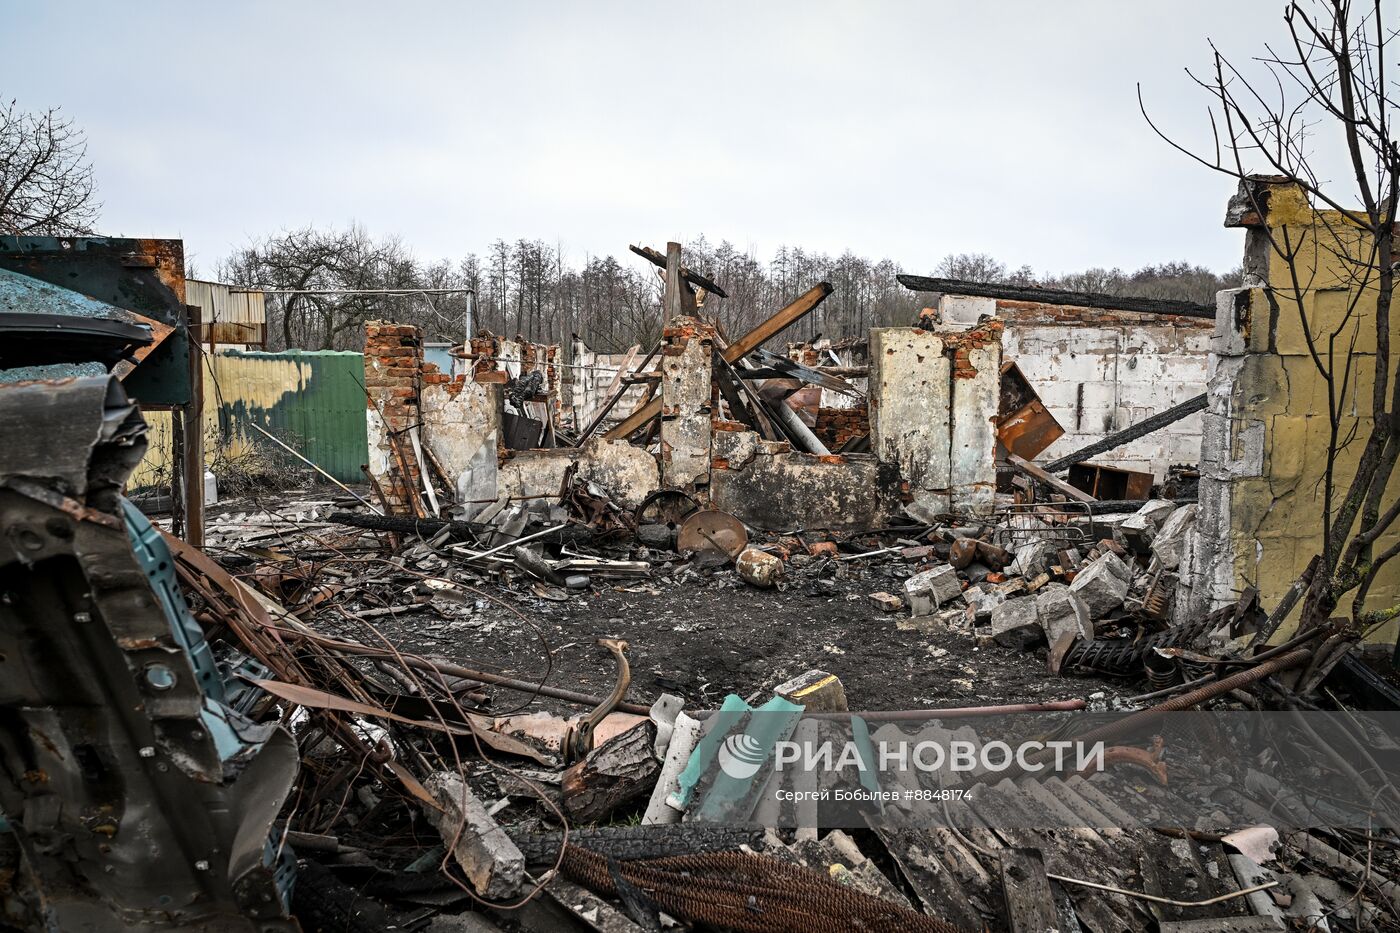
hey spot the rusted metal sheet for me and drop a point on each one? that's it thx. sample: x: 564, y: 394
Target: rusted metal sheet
x: 143, y: 276
x: 1025, y: 426
x: 228, y: 315
x: 1106, y: 482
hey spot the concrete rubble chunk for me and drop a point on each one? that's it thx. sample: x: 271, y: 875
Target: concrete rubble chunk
x: 1157, y: 510
x: 887, y: 602
x: 818, y: 691
x: 488, y: 857
x: 931, y: 589
x: 981, y: 602
x: 1170, y: 543
x: 1032, y: 558
x: 1015, y: 624
x: 1139, y: 529
x: 1060, y: 610
x: 1102, y: 584
x: 944, y: 620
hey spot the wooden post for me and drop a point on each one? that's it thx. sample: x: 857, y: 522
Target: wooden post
x: 192, y: 453
x: 672, y: 301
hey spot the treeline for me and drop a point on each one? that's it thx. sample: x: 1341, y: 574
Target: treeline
x: 531, y: 288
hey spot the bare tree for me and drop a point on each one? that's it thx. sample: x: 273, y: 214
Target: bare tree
x: 46, y: 186
x: 328, y: 280
x: 971, y: 267
x: 1330, y: 81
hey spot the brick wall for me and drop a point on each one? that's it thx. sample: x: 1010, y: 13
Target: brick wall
x: 836, y: 426
x: 393, y: 368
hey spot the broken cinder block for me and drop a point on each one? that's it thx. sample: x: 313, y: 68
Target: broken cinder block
x: 1102, y: 584
x: 1138, y: 529
x: 817, y: 691
x: 488, y: 857
x: 930, y: 589
x: 1060, y: 610
x: 1032, y: 558
x: 981, y: 601
x: 1015, y: 624
x: 1170, y: 543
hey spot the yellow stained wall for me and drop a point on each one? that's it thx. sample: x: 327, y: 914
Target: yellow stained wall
x: 1265, y: 467
x: 260, y: 382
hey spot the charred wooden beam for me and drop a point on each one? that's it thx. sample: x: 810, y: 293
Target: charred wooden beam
x: 780, y: 321
x: 1055, y: 296
x: 658, y: 258
x: 426, y: 527
x: 1054, y: 482
x: 1132, y: 433
x: 795, y: 370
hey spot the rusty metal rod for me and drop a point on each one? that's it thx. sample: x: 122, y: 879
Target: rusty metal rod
x: 285, y: 446
x: 485, y: 677
x: 1113, y: 730
x: 907, y: 715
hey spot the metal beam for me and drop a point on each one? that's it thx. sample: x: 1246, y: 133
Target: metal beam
x: 1054, y: 296
x: 1132, y: 433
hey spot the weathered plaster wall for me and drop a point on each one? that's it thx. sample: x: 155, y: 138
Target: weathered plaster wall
x: 1098, y: 372
x: 973, y: 441
x: 462, y: 427
x: 626, y: 473
x: 686, y: 402
x: 910, y: 402
x: 1264, y: 450
x: 768, y: 485
x: 933, y: 397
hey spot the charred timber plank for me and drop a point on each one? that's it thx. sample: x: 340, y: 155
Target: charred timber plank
x: 411, y: 526
x: 796, y: 370
x: 779, y: 322
x: 1030, y: 906
x: 635, y: 421
x: 742, y: 347
x: 657, y: 258
x: 1054, y: 296
x: 1143, y: 428
x: 1054, y: 482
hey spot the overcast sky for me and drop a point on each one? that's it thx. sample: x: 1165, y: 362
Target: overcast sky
x: 901, y: 130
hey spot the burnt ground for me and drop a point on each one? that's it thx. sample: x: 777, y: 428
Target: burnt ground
x: 708, y: 636
x: 700, y: 634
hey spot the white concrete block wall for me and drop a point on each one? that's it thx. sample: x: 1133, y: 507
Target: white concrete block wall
x: 1097, y: 378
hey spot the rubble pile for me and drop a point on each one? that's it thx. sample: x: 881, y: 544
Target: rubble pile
x: 600, y: 675
x: 429, y: 787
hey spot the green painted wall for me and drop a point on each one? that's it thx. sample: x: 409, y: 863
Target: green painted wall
x: 312, y: 399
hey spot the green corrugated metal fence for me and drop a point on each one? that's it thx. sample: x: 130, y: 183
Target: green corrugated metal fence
x: 312, y: 399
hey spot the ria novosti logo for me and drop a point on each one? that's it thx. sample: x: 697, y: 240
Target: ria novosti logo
x: 740, y: 756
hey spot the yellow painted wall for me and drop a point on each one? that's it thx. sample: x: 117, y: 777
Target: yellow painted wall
x: 256, y: 381
x: 1269, y: 402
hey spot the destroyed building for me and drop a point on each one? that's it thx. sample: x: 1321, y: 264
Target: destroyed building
x: 533, y: 658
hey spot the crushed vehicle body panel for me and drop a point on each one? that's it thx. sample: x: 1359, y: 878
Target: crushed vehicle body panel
x: 133, y: 796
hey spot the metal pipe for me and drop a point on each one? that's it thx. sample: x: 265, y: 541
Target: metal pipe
x: 1113, y: 730
x: 798, y: 428
x: 280, y: 443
